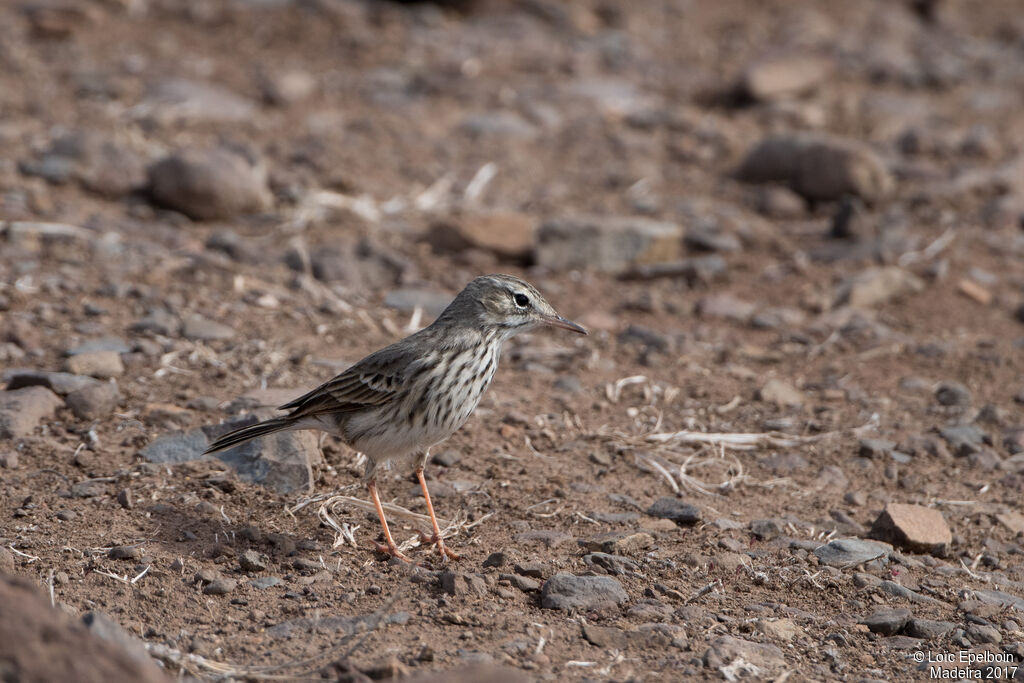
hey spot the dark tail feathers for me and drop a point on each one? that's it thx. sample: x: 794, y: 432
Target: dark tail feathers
x: 244, y: 434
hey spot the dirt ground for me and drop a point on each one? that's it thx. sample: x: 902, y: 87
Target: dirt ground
x: 849, y: 348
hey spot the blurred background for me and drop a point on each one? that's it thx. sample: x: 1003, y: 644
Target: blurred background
x: 789, y: 217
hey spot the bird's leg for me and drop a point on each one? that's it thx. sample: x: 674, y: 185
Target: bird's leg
x: 436, y: 538
x: 391, y: 549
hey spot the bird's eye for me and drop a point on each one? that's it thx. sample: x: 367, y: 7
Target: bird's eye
x: 521, y: 300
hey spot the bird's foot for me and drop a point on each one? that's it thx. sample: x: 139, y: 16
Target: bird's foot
x: 392, y: 550
x: 445, y: 551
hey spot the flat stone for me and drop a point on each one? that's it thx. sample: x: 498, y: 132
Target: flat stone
x: 876, y: 286
x: 1000, y: 598
x: 158, y: 321
x: 220, y: 587
x: 114, y: 344
x: 616, y: 565
x: 209, y: 184
x: 610, y: 244
x: 888, y: 622
x: 953, y: 394
x: 984, y: 633
x: 780, y: 629
x: 200, y: 328
x: 523, y: 583
x: 549, y: 539
x: 98, y: 364
x: 185, y: 100
x: 177, y: 447
x: 765, y: 529
x: 505, y: 233
x: 726, y: 307
x: 928, y: 628
x: 913, y: 527
x: 22, y: 409
x: 282, y: 461
x: 850, y: 552
x: 668, y: 507
x: 725, y: 650
x: 62, y: 383
x: 1012, y: 520
x: 782, y: 394
x: 780, y: 77
x: 264, y: 582
x: 461, y: 584
x: 963, y: 439
x: 252, y: 561
x: 94, y: 401
x: 579, y: 593
x: 618, y: 542
x: 498, y: 559
x: 125, y: 552
x: 611, y: 638
x: 818, y: 166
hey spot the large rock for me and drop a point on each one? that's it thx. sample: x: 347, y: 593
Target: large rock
x: 731, y: 652
x: 208, y: 185
x: 850, y: 552
x: 39, y: 643
x: 819, y: 167
x: 282, y: 461
x: 612, y: 244
x: 94, y: 401
x: 506, y: 233
x: 913, y: 527
x: 62, y: 383
x: 568, y: 592
x: 99, y: 163
x: 98, y: 364
x: 22, y: 409
x: 770, y: 79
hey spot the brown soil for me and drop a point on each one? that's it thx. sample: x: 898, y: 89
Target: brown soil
x: 551, y: 448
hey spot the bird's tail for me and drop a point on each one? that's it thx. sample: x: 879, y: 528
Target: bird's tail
x: 238, y: 436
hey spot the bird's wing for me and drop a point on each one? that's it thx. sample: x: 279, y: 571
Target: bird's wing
x: 372, y: 381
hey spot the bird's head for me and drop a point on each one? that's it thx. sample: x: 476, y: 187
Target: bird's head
x: 507, y: 304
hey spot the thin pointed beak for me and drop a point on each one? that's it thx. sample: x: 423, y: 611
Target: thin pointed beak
x: 559, y: 321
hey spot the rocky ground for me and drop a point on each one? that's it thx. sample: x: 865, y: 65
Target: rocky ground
x: 792, y: 446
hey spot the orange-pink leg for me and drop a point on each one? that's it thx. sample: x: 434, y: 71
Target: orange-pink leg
x: 436, y: 538
x: 390, y: 549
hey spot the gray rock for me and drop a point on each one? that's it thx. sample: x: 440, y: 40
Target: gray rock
x: 568, y: 592
x: 158, y: 321
x: 545, y: 537
x: 782, y: 394
x: 611, y: 244
x: 220, y: 587
x: 819, y: 167
x: 498, y: 559
x: 523, y: 583
x: 726, y: 307
x: 888, y: 622
x: 181, y: 99
x: 1001, y: 598
x: 200, y: 328
x: 460, y: 584
x: 963, y: 439
x: 984, y: 633
x: 94, y: 401
x: 725, y: 650
x: 99, y: 163
x: 616, y: 565
x: 264, y: 582
x: 875, y: 448
x: 98, y: 364
x: 850, y: 552
x: 953, y: 394
x: 765, y: 529
x: 22, y: 409
x: 125, y: 552
x: 913, y: 527
x: 282, y: 462
x: 408, y: 299
x: 209, y: 184
x: 174, y: 448
x: 62, y: 383
x: 679, y: 512
x: 106, y: 628
x: 283, y: 88
x: 928, y: 628
x: 252, y: 561
x: 114, y: 344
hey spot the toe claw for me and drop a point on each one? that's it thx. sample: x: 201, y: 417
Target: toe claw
x: 393, y: 551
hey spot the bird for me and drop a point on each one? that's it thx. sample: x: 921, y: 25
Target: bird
x: 397, y: 403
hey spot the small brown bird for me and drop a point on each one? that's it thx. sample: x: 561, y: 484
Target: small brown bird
x: 397, y: 403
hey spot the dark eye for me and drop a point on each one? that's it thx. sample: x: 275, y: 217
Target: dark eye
x: 521, y: 300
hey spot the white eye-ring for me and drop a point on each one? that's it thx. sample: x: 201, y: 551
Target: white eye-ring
x: 521, y: 300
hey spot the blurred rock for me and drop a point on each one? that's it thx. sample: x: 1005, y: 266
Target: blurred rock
x: 98, y: 364
x: 505, y: 233
x: 850, y: 552
x: 22, y: 409
x: 780, y: 202
x: 180, y: 99
x: 158, y: 321
x: 679, y: 512
x: 99, y: 163
x: 726, y: 307
x: 726, y: 650
x: 62, y: 383
x: 611, y: 244
x: 39, y: 643
x: 953, y: 394
x: 209, y: 184
x: 779, y: 77
x: 94, y: 401
x: 781, y: 393
x: 819, y: 167
x: 913, y: 527
x: 876, y: 286
x: 283, y: 88
x: 888, y: 622
x: 201, y: 328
